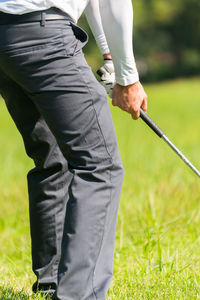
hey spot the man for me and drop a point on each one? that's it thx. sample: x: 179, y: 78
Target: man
x: 63, y: 116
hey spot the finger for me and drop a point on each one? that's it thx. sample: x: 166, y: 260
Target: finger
x: 100, y: 71
x: 144, y: 105
x: 135, y: 114
x: 114, y: 101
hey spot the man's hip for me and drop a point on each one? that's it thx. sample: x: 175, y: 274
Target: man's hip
x: 37, y: 16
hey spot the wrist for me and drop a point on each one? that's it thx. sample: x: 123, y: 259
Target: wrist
x: 128, y: 85
x: 107, y: 56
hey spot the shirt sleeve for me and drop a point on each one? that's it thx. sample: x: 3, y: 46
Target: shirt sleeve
x: 92, y: 13
x: 117, y: 20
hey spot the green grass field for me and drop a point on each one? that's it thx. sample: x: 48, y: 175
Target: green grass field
x: 158, y: 233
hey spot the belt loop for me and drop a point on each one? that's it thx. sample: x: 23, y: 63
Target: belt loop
x: 43, y: 19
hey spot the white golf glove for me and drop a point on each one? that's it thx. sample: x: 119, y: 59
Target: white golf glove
x: 107, y: 75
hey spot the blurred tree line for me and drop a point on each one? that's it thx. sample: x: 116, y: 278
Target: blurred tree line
x: 166, y: 39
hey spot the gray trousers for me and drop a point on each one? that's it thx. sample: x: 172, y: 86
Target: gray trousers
x: 63, y: 116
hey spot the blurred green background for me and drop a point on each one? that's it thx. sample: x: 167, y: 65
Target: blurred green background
x: 166, y: 39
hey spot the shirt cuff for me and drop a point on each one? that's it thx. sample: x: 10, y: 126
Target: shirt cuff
x: 126, y: 72
x: 131, y: 79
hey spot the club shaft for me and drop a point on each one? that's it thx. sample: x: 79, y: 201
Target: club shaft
x: 180, y: 154
x: 161, y: 134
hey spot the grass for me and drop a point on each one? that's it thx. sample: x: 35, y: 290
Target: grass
x: 158, y: 232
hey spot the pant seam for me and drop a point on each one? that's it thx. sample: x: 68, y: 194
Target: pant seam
x: 106, y: 216
x: 92, y: 97
x: 55, y: 267
x: 102, y: 240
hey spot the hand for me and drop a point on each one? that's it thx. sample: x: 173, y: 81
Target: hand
x: 130, y: 98
x: 107, y: 74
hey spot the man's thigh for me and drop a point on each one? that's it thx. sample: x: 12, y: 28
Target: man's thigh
x: 49, y: 65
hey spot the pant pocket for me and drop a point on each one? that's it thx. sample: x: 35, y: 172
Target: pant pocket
x: 74, y: 40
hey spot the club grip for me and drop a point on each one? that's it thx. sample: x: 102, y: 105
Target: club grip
x: 151, y: 123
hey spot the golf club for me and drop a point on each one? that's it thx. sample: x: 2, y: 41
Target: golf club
x: 161, y: 134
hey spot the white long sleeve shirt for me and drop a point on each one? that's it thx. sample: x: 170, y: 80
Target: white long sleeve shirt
x: 93, y: 15
x: 112, y: 17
